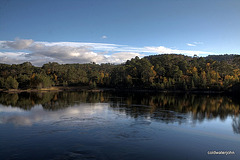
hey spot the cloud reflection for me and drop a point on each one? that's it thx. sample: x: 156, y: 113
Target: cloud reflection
x: 37, y: 114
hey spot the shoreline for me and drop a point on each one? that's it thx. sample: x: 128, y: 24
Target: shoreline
x: 51, y: 89
x: 87, y: 88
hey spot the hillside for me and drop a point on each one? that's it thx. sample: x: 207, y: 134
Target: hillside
x: 158, y: 72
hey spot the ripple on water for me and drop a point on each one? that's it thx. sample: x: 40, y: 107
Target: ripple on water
x: 77, y: 155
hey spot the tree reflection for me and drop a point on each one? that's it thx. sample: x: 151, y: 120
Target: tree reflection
x: 236, y: 125
x: 168, y: 106
x: 164, y: 107
x: 50, y: 100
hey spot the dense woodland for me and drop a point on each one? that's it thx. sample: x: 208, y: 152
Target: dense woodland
x: 158, y: 72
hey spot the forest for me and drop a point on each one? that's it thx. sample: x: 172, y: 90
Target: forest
x: 157, y: 72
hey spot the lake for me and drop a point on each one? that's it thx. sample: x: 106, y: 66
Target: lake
x: 118, y: 125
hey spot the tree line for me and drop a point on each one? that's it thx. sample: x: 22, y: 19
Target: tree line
x: 158, y: 72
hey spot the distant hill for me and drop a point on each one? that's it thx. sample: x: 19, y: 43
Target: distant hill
x: 225, y: 57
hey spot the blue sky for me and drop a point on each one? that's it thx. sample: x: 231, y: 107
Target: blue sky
x: 113, y: 31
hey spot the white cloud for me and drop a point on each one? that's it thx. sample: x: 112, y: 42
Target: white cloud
x: 95, y: 46
x: 192, y: 45
x: 64, y: 52
x: 104, y: 37
x: 13, y: 57
x: 39, y: 53
x: 198, y: 42
x: 122, y: 57
x: 164, y: 50
x: 17, y: 44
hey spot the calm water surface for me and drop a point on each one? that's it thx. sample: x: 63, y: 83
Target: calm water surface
x: 110, y: 125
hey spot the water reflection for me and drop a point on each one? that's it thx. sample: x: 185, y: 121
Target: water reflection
x: 38, y: 115
x: 236, y: 125
x: 175, y: 107
x: 167, y: 108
